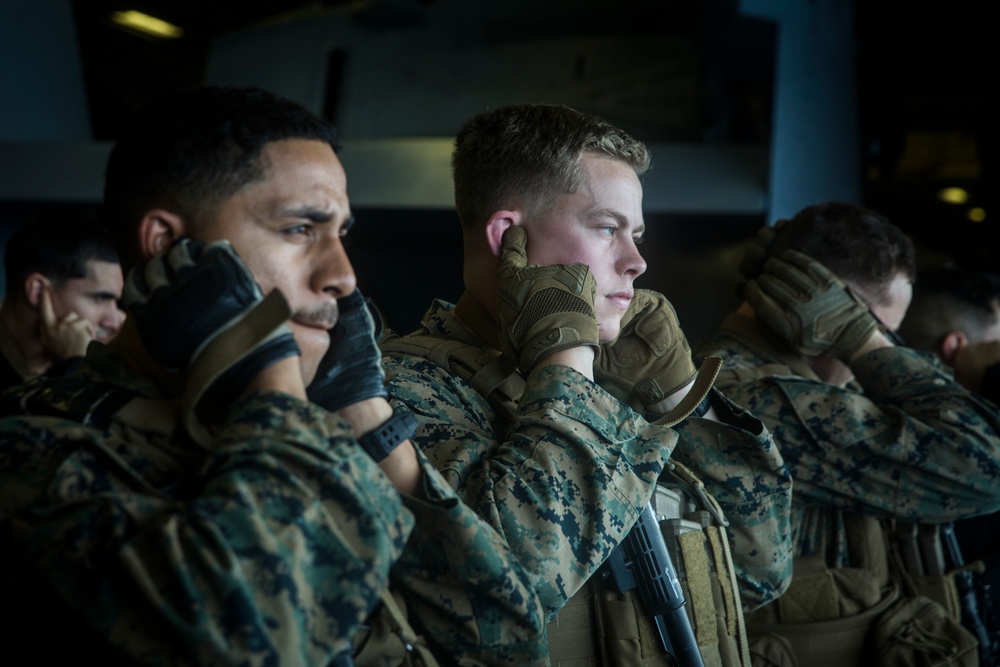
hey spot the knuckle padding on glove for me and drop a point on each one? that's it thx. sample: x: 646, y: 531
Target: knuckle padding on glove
x: 807, y: 305
x: 544, y: 304
x: 351, y: 369
x: 651, y: 358
x: 544, y: 310
x: 210, y: 293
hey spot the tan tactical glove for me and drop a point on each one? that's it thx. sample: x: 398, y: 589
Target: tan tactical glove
x: 542, y: 309
x: 651, y: 358
x: 808, y: 306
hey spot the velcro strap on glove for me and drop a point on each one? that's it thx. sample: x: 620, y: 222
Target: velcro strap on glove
x: 703, y: 382
x: 218, y: 371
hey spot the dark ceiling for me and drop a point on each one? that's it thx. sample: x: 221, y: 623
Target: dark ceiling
x: 927, y: 98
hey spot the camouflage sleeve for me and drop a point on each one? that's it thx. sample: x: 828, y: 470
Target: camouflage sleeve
x: 740, y: 465
x: 914, y: 445
x: 562, y: 484
x: 273, y: 552
x: 465, y: 589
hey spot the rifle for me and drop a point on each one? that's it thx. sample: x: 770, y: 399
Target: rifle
x: 971, y: 616
x: 642, y: 562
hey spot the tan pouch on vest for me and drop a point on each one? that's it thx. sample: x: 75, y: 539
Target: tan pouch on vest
x: 943, y: 590
x: 918, y: 632
x: 832, y: 643
x: 573, y: 633
x: 600, y: 626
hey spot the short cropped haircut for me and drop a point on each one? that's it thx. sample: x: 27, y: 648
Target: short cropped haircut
x: 528, y: 154
x: 951, y: 299
x: 191, y: 151
x: 56, y: 244
x: 857, y: 244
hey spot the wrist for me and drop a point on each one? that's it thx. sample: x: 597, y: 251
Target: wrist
x: 366, y: 415
x: 284, y: 376
x: 381, y: 441
x: 580, y: 358
x: 876, y: 341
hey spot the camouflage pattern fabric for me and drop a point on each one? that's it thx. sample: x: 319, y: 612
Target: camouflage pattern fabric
x: 741, y: 467
x: 902, y: 441
x: 565, y: 481
x: 270, y: 550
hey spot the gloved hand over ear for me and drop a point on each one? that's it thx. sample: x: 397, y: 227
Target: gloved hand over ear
x: 542, y: 309
x: 200, y: 314
x: 808, y: 306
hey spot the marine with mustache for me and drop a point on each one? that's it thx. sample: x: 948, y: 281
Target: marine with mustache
x: 226, y: 483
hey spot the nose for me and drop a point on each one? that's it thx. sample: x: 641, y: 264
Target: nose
x: 332, y: 272
x: 113, y: 319
x: 631, y: 262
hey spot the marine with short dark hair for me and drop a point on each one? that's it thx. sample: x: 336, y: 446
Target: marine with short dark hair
x: 882, y: 443
x: 63, y: 285
x: 225, y: 483
x: 956, y: 315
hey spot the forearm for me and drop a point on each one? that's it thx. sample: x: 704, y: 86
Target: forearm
x: 570, y: 478
x: 461, y: 580
x: 580, y: 359
x: 912, y: 444
x: 947, y: 437
x: 740, y: 465
x: 288, y: 536
x: 401, y: 465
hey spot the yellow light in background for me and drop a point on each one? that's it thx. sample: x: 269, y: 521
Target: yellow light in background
x: 953, y: 195
x: 147, y: 24
x: 976, y: 214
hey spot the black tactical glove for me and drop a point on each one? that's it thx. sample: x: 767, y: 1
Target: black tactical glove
x: 651, y: 358
x: 199, y: 311
x: 351, y: 370
x: 542, y: 309
x: 808, y: 306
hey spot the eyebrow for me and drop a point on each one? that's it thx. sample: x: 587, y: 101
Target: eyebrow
x: 310, y: 213
x: 622, y: 220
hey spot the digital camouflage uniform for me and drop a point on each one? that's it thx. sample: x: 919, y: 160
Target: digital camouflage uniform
x: 272, y: 549
x: 566, y: 480
x: 902, y: 441
x: 876, y: 464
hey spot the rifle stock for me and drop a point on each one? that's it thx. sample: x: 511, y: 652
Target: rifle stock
x: 972, y: 617
x: 642, y: 562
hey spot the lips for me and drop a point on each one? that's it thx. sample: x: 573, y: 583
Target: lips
x: 621, y: 299
x: 319, y: 324
x: 318, y: 317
